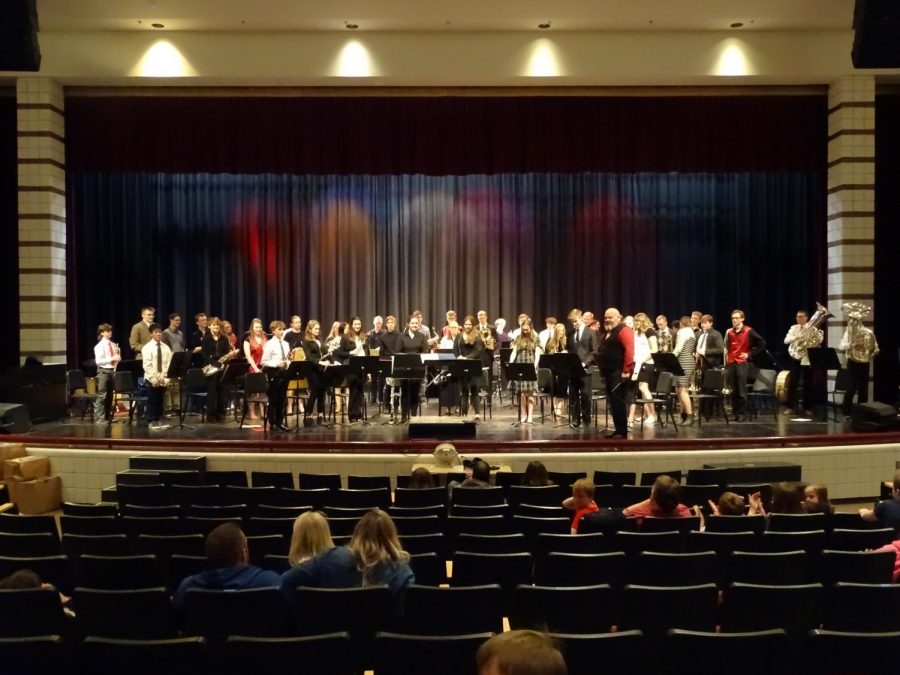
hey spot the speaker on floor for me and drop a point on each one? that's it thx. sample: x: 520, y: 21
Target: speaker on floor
x: 19, y: 49
x: 876, y: 42
x: 14, y: 419
x: 873, y: 417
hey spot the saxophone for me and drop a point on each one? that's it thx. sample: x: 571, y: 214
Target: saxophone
x: 810, y: 335
x: 210, y: 369
x: 487, y: 338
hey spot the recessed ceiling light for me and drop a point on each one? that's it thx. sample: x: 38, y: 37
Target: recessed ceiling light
x: 737, y: 24
x: 158, y: 25
x: 544, y: 26
x: 351, y: 26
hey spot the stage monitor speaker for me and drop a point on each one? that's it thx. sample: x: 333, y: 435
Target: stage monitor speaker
x: 19, y: 49
x: 873, y: 417
x: 441, y: 428
x: 14, y: 419
x: 876, y: 43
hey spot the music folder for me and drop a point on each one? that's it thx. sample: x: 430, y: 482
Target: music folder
x: 408, y: 366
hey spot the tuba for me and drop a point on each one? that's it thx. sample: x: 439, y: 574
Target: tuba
x: 862, y: 344
x: 810, y: 335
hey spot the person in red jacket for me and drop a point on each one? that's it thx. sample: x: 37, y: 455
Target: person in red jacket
x: 742, y: 343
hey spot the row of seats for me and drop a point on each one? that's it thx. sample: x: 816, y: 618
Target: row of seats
x: 148, y: 613
x: 683, y: 652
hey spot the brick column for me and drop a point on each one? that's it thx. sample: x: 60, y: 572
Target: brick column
x: 42, y: 219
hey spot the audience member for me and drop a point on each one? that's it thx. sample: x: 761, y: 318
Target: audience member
x: 894, y: 547
x: 536, y: 475
x: 786, y: 498
x: 226, y: 551
x: 663, y: 503
x: 481, y: 475
x: 815, y: 499
x: 373, y: 557
x: 421, y: 479
x: 732, y: 504
x: 581, y: 502
x: 25, y: 578
x: 887, y: 511
x: 520, y: 652
x: 311, y: 536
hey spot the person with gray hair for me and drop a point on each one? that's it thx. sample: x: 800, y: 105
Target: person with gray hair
x: 616, y: 365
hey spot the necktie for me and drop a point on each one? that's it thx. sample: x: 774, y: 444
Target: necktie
x: 111, y: 352
x: 159, y: 357
x: 578, y: 335
x: 281, y: 344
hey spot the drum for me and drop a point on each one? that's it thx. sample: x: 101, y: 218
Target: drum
x: 781, y: 386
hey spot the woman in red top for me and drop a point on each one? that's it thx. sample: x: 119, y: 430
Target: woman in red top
x: 253, y: 351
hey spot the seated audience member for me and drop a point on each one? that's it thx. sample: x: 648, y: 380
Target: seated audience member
x: 732, y: 504
x: 311, y: 536
x: 536, y: 475
x: 894, y: 547
x: 663, y: 502
x: 421, y: 479
x: 887, y: 511
x: 22, y: 579
x: 373, y: 557
x: 581, y: 502
x: 520, y: 652
x: 815, y: 499
x: 480, y: 477
x: 786, y: 498
x: 226, y: 551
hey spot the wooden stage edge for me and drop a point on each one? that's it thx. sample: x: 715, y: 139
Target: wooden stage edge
x: 325, y: 447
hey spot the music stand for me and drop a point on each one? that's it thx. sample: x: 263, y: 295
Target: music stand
x: 363, y: 366
x: 465, y: 371
x: 409, y: 367
x: 334, y: 376
x: 668, y: 362
x: 301, y: 370
x: 566, y: 366
x: 824, y: 359
x: 178, y: 367
x: 232, y: 371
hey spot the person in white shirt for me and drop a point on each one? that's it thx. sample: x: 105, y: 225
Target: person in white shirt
x: 156, y: 356
x: 545, y: 335
x: 275, y: 359
x: 516, y: 331
x: 107, y: 356
x: 449, y: 339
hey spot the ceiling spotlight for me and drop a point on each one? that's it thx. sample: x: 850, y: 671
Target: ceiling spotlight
x: 737, y: 24
x: 158, y: 25
x: 544, y: 26
x: 351, y: 26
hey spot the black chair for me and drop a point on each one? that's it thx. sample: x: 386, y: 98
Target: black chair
x: 418, y: 525
x: 700, y: 495
x: 266, y: 511
x: 90, y: 526
x: 615, y: 478
x: 198, y: 495
x: 444, y: 611
x: 663, y: 524
x: 623, y: 653
x: 15, y: 524
x: 655, y: 609
x: 544, y: 495
x: 411, y: 498
x: 581, y: 569
x: 860, y: 540
x: 755, y: 524
x: 167, y: 527
x: 796, y: 522
x: 182, y: 566
x: 634, y: 543
x: 429, y: 570
x: 262, y: 527
x: 368, y: 482
x: 573, y: 543
x: 176, y: 656
x: 415, y: 544
x: 338, y: 512
x: 216, y: 614
x: 194, y: 391
x: 164, y: 547
x: 584, y: 609
x: 479, y: 511
x: 863, y: 607
x: 723, y: 543
x: 493, y: 543
x: 168, y: 511
x: 118, y: 573
x: 532, y: 528
x: 29, y: 545
x: 789, y: 568
x: 417, y: 511
x: 314, y: 499
x: 456, y: 525
x: 565, y: 479
x: 225, y: 512
x: 839, y: 653
x: 31, y: 611
x: 223, y: 478
x: 36, y: 654
x: 776, y: 542
x: 52, y: 569
x: 507, y: 479
x: 747, y: 489
x: 454, y: 654
x: 751, y: 607
x: 251, y: 496
x: 262, y: 546
x: 850, y: 521
x: 328, y: 654
x: 277, y: 479
x: 718, y: 477
x: 761, y: 395
x: 89, y: 510
x: 140, y: 614
x: 75, y: 545
x: 688, y: 652
x: 324, y: 610
x: 711, y: 397
x: 143, y: 495
x: 479, y: 496
x: 860, y: 567
x: 648, y: 478
x: 360, y: 499
x: 534, y: 511
x: 316, y: 481
x: 676, y: 569
x: 623, y: 495
x: 480, y: 569
x: 125, y: 391
x: 256, y: 390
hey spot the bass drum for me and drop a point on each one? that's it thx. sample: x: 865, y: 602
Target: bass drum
x: 781, y: 386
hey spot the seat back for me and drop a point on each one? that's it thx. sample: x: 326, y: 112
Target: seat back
x: 411, y: 497
x: 786, y: 568
x: 861, y: 567
x: 52, y: 569
x: 582, y: 569
x: 797, y: 609
x: 30, y: 612
x: 676, y: 569
x: 176, y: 656
x: 118, y: 573
x: 144, y: 614
x: 330, y: 653
x: 585, y: 609
x: 614, y: 478
x: 755, y: 524
x: 216, y: 614
x: 277, y: 479
x: 688, y: 652
x: 796, y: 522
x: 445, y: 611
x: 654, y: 609
x: 368, y: 482
x: 649, y: 477
x: 452, y: 654
x: 622, y: 652
x: 479, y: 496
x: 863, y: 607
x: 544, y: 495
x: 314, y: 481
x: 15, y: 524
x: 29, y: 545
x: 360, y: 499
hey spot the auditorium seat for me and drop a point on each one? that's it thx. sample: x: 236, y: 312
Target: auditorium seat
x: 203, y: 526
x: 52, y: 569
x: 755, y: 524
x: 276, y: 479
x: 163, y: 547
x: 226, y: 512
x: 264, y: 545
x: 29, y: 545
x: 89, y: 510
x: 276, y: 563
x: 200, y: 495
x: 687, y: 652
x: 537, y: 511
x: 261, y: 527
x: 251, y: 496
x: 723, y: 543
x: 118, y: 573
x: 565, y: 479
x: 139, y: 614
x: 182, y: 566
x: 16, y: 524
x: 453, y: 654
x: 75, y: 545
x: 863, y: 607
x: 787, y: 568
x: 329, y: 653
x: 532, y: 528
x: 90, y: 525
x: 176, y: 656
x: 859, y: 540
x: 797, y: 522
x: 774, y: 542
x: 861, y: 567
x: 418, y: 525
x: 368, y: 482
x: 838, y: 653
x: 753, y: 607
x: 163, y: 527
x: 425, y: 543
x: 317, y: 481
x: 428, y: 610
x: 544, y: 495
x: 428, y: 569
x: 623, y: 653
x: 653, y: 524
x: 266, y: 511
x: 314, y: 499
x: 572, y: 543
x: 506, y: 569
x: 585, y: 609
x: 615, y: 477
x: 492, y: 543
x: 581, y: 569
x: 30, y: 612
x: 143, y: 495
x: 344, y: 512
x: 138, y: 511
x: 480, y: 511
x: 412, y: 498
x: 675, y: 569
x: 418, y: 511
x: 656, y: 609
x: 634, y: 543
x: 223, y: 478
x: 850, y: 521
x: 216, y: 614
x: 478, y: 497
x: 648, y: 478
x: 35, y: 654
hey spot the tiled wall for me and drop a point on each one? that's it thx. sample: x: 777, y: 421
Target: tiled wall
x: 42, y: 219
x: 849, y: 472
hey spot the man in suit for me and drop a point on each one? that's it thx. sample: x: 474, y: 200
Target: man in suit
x: 617, y: 365
x: 710, y: 351
x: 140, y: 332
x: 584, y: 342
x: 412, y: 341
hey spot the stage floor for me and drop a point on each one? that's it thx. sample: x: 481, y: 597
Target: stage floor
x: 500, y: 430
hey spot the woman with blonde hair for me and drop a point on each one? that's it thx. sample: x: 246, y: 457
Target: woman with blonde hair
x: 644, y: 371
x: 372, y: 558
x: 526, y: 349
x: 469, y: 345
x: 311, y: 536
